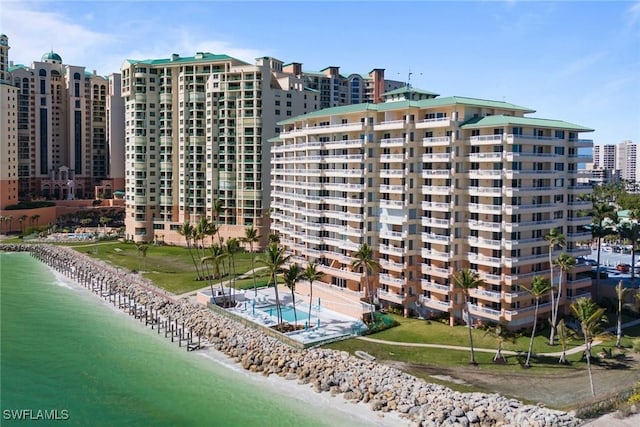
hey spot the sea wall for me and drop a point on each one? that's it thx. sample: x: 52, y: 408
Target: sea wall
x: 383, y: 388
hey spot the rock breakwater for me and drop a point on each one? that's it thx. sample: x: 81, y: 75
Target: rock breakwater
x: 383, y: 388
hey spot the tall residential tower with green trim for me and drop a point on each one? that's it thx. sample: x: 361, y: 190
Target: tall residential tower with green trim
x: 434, y: 185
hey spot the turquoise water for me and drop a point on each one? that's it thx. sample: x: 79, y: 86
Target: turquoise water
x: 65, y: 349
x: 288, y: 313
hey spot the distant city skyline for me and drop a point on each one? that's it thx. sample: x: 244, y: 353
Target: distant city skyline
x: 577, y: 61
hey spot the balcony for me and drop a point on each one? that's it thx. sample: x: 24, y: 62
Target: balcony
x: 391, y: 250
x: 484, y: 312
x: 435, y: 238
x: 395, y: 235
x: 388, y: 158
x: 391, y: 173
x: 434, y: 287
x: 435, y: 206
x: 391, y: 265
x: 433, y: 123
x: 485, y: 243
x: 391, y: 142
x: 484, y: 260
x: 436, y: 157
x: 485, y: 191
x: 435, y: 222
x: 484, y: 208
x: 485, y: 225
x: 484, y: 294
x: 391, y: 296
x: 435, y: 271
x: 336, y: 127
x: 434, y: 303
x: 485, y: 157
x: 486, y: 140
x: 394, y: 189
x: 435, y: 255
x: 436, y: 173
x: 436, y: 189
x: 391, y: 204
x: 437, y: 141
x: 485, y: 174
x: 389, y: 125
x: 386, y: 279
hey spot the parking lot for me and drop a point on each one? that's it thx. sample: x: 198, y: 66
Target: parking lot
x: 609, y: 260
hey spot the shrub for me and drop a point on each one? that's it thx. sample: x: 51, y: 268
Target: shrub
x: 30, y: 205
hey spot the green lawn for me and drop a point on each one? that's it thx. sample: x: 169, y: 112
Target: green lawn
x: 422, y: 331
x: 169, y: 267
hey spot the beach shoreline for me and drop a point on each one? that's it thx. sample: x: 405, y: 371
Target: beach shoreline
x: 371, y: 391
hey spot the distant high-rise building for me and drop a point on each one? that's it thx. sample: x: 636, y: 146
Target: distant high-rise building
x: 604, y: 156
x: 433, y: 185
x: 627, y: 160
x: 63, y: 138
x: 612, y: 162
x: 197, y: 138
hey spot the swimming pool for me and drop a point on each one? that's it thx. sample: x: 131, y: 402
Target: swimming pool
x: 288, y: 314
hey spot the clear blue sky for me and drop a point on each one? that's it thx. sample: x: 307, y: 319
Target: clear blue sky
x: 569, y: 60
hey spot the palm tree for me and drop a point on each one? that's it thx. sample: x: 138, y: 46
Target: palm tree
x: 218, y: 208
x: 188, y: 232
x: 620, y: 294
x: 35, y: 219
x: 142, y: 250
x: 539, y: 288
x: 501, y: 333
x: 274, y: 258
x: 217, y: 257
x: 591, y: 318
x: 630, y: 231
x: 311, y: 274
x: 232, y: 247
x: 600, y: 213
x: 563, y: 337
x: 565, y: 263
x: 466, y: 280
x: 251, y: 237
x: 364, y: 261
x: 21, y: 220
x: 291, y: 276
x: 554, y: 238
x: 3, y: 220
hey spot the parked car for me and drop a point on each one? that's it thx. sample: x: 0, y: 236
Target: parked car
x: 623, y: 268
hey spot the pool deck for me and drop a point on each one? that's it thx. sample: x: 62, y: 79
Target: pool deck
x: 326, y: 325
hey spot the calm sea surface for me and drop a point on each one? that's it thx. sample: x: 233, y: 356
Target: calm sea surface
x: 65, y: 349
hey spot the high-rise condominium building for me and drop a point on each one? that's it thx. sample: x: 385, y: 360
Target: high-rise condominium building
x: 65, y: 132
x: 335, y: 89
x: 604, y: 156
x: 627, y: 160
x: 197, y: 131
x: 616, y: 161
x: 433, y: 185
x: 8, y: 131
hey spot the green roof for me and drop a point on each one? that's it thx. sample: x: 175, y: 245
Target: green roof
x: 477, y: 102
x: 406, y: 89
x: 343, y: 109
x: 51, y: 55
x: 437, y: 102
x: 206, y: 56
x: 502, y: 120
x: 17, y: 67
x: 309, y: 89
